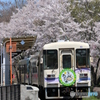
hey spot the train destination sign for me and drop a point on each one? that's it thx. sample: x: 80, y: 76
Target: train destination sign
x: 67, y: 77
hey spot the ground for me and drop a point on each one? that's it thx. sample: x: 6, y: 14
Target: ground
x: 91, y: 98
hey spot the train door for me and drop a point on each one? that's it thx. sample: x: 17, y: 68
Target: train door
x: 66, y: 59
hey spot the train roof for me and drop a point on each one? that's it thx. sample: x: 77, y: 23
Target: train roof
x: 66, y: 44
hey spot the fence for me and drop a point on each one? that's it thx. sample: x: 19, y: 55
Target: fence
x: 22, y: 75
x: 11, y: 92
x: 25, y: 75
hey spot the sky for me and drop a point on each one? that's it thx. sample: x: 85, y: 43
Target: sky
x: 8, y: 0
x: 12, y: 2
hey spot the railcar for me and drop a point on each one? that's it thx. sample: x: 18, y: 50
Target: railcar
x: 58, y: 61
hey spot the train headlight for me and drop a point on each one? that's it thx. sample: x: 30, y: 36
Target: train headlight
x: 51, y: 76
x: 84, y: 76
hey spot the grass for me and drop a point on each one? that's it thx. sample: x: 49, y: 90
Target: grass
x: 91, y: 98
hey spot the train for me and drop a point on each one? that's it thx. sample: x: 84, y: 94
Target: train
x: 61, y: 70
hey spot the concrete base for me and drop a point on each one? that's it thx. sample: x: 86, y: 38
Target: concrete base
x: 29, y: 92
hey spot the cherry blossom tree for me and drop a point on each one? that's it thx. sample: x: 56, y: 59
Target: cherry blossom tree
x: 52, y: 20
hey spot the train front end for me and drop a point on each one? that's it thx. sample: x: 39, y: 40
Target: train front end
x: 66, y: 71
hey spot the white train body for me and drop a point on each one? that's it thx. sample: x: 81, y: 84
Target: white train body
x: 61, y: 55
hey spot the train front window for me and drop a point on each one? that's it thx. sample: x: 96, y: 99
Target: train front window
x: 50, y: 59
x: 66, y: 61
x: 82, y: 58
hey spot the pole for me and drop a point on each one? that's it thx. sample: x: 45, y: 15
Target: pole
x: 10, y: 61
x: 1, y: 65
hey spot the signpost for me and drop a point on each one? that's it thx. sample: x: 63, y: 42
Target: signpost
x: 11, y: 47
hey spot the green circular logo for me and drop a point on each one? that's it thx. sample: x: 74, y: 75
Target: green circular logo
x: 67, y: 77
